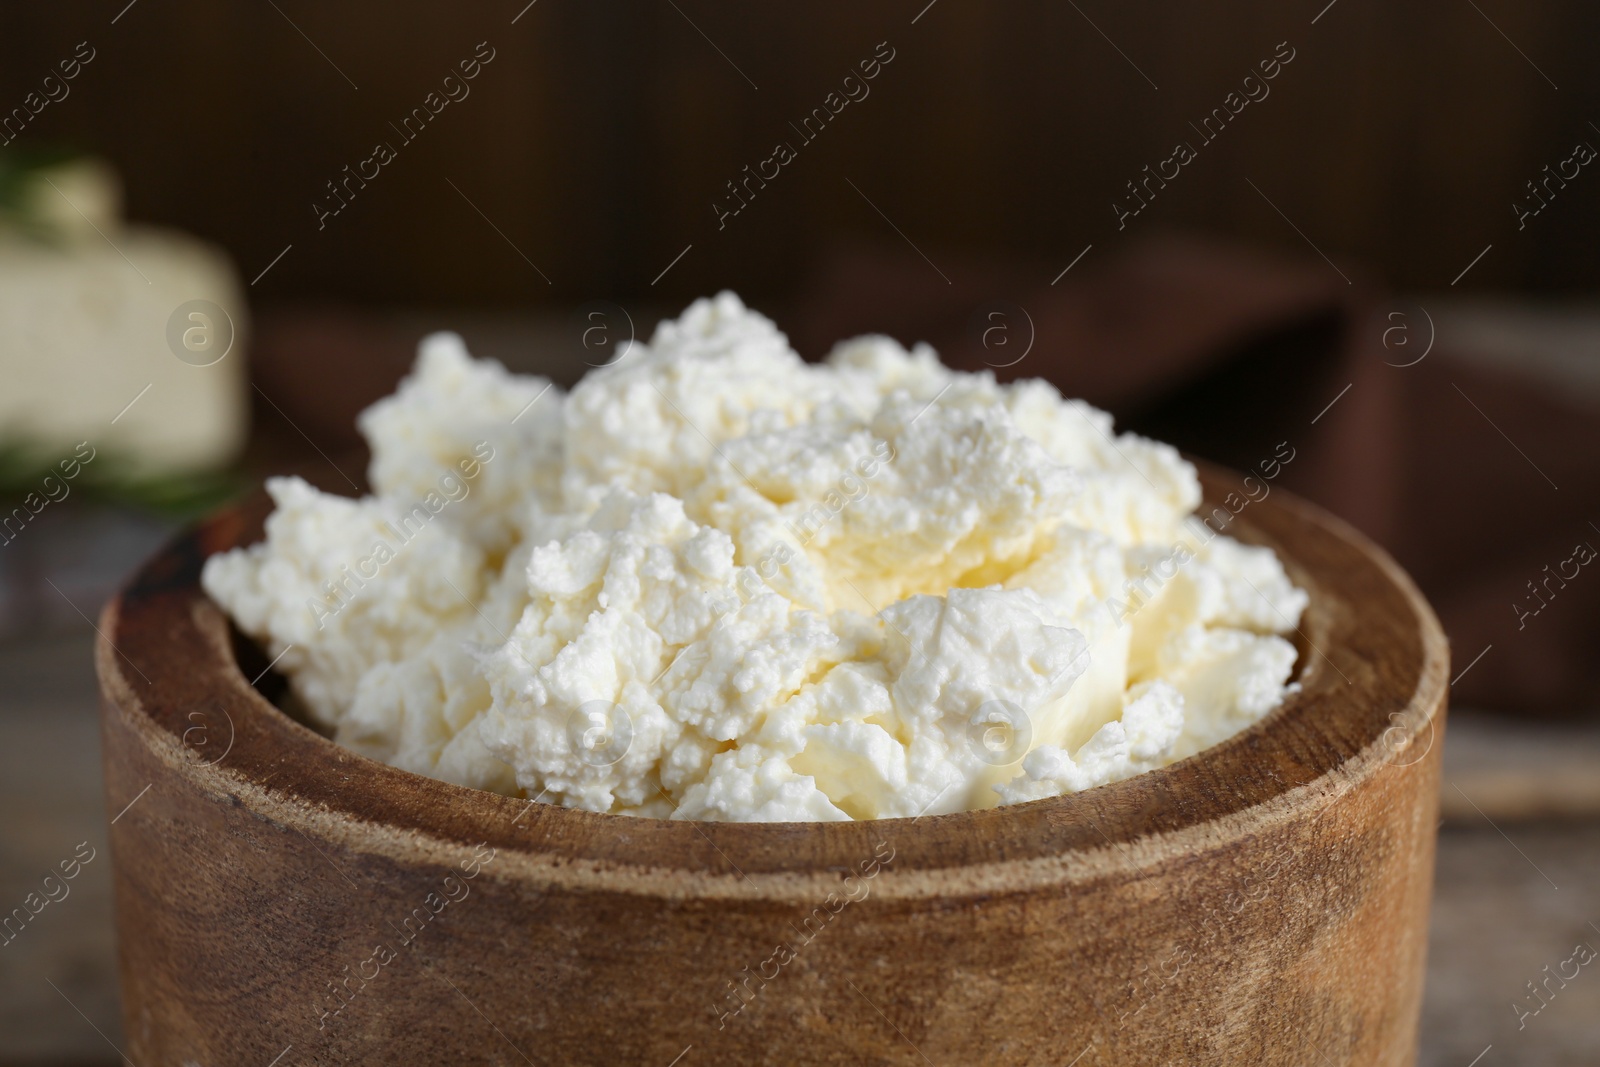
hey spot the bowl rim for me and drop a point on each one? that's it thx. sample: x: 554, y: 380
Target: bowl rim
x: 167, y: 665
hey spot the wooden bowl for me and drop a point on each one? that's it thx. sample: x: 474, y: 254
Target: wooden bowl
x: 1264, y: 902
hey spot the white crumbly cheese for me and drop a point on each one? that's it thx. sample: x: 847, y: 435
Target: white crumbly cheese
x: 96, y: 322
x: 717, y: 582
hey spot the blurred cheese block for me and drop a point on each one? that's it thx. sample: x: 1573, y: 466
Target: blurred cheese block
x: 96, y: 315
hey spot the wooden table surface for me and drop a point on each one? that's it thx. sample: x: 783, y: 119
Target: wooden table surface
x: 1518, y: 883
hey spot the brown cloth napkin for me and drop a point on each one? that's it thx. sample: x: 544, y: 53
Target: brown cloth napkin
x: 1483, y: 485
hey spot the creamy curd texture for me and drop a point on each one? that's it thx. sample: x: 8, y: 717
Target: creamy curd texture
x: 714, y: 581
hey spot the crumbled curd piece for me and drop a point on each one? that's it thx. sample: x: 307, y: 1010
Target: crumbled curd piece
x: 450, y: 403
x: 714, y: 581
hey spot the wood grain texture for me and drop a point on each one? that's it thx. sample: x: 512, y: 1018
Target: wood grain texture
x: 1264, y: 902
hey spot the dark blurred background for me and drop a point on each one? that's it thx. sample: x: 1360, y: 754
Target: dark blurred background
x: 1382, y: 253
x: 600, y: 134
